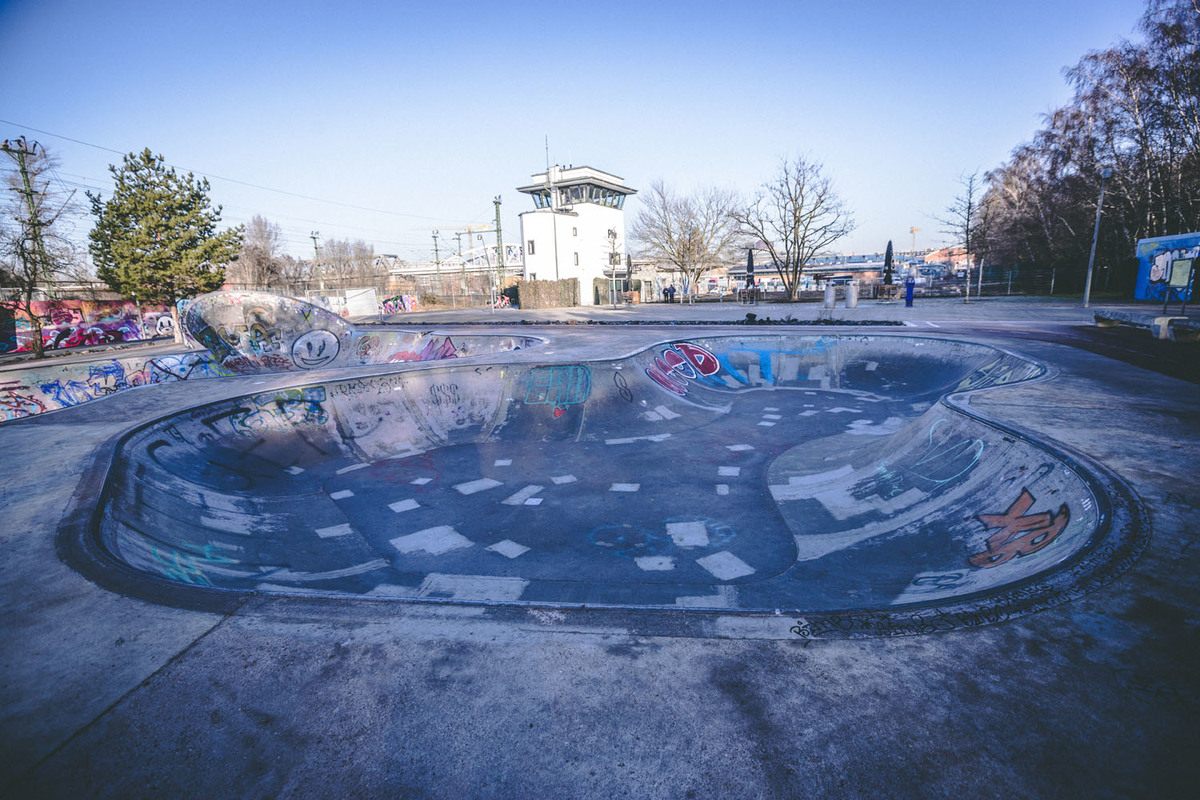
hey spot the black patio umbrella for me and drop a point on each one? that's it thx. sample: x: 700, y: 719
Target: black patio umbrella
x: 887, y: 265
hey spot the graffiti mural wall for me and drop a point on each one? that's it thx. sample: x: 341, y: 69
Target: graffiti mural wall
x: 73, y: 323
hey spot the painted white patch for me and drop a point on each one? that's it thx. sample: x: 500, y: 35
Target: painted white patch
x: 872, y: 366
x: 520, y: 497
x: 342, y: 495
x: 726, y: 597
x: 863, y: 427
x: 335, y: 530
x: 650, y: 416
x: 294, y: 470
x: 503, y: 462
x: 801, y: 487
x: 435, y: 541
x: 625, y: 487
x: 688, y: 534
x: 766, y: 424
x: 472, y: 587
x: 352, y: 468
x: 658, y: 437
x: 508, y: 548
x: 772, y: 416
x: 841, y: 410
x: 533, y: 501
x: 559, y: 480
x: 725, y: 566
x: 404, y: 505
x: 481, y: 485
x: 655, y: 563
x: 421, y: 481
x: 808, y: 413
x: 770, y: 408
x: 722, y: 489
x: 729, y: 472
x: 285, y: 574
x: 737, y: 448
x: 666, y: 413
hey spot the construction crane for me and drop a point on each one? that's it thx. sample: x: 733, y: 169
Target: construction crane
x: 913, y: 231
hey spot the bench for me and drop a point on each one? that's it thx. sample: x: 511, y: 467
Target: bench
x: 1177, y: 329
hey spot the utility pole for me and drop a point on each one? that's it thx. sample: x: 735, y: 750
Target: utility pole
x: 437, y: 260
x: 499, y: 245
x: 317, y: 259
x: 20, y: 150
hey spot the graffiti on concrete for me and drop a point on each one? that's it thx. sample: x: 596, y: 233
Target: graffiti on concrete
x: 280, y: 410
x: 942, y: 461
x: 437, y: 348
x: 559, y: 387
x: 680, y: 363
x: 315, y: 349
x: 1019, y: 533
x: 15, y: 404
x: 1000, y: 371
x: 75, y: 323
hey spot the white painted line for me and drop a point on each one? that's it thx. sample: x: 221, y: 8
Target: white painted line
x: 655, y: 563
x: 508, y: 548
x: 472, y: 587
x: 729, y: 472
x: 335, y: 530
x: 688, y: 534
x: 559, y: 480
x: 770, y: 408
x: 285, y: 574
x: 520, y: 497
x: 737, y: 448
x: 932, y: 324
x: 351, y: 468
x: 503, y: 462
x: 766, y: 424
x: 722, y: 489
x: 481, y: 485
x: 294, y: 470
x: 772, y: 416
x: 421, y: 481
x: 665, y: 412
x: 404, y: 505
x: 342, y: 495
x: 842, y: 410
x: 725, y: 566
x: 658, y: 437
x: 435, y: 541
x: 625, y: 487
x: 808, y: 413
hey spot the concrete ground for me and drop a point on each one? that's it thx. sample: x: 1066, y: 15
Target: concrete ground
x: 105, y: 695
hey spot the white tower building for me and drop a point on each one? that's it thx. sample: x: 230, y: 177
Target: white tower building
x: 577, y: 227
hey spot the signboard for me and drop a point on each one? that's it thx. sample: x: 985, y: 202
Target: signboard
x: 1158, y: 273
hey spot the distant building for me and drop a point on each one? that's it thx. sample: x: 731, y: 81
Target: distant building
x: 576, y: 228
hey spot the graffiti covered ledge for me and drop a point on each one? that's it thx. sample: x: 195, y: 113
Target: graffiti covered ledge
x: 770, y: 485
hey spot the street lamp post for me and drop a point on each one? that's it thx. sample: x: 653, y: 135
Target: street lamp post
x: 1105, y: 174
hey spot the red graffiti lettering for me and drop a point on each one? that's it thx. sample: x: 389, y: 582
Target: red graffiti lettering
x: 1019, y: 534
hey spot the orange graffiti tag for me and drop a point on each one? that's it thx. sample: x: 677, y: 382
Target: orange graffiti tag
x: 1019, y: 534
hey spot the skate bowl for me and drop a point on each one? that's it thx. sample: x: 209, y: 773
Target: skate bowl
x: 789, y: 485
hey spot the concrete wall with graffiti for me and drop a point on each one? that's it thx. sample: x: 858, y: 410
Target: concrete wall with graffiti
x: 857, y: 486
x: 245, y: 333
x: 73, y: 323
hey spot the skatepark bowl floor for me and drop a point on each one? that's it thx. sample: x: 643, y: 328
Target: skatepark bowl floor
x: 806, y: 486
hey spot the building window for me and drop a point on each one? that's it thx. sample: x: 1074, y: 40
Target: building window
x: 577, y: 259
x: 529, y: 247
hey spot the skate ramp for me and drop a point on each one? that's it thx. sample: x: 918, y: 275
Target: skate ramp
x: 826, y: 478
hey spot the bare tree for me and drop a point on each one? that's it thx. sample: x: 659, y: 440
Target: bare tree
x: 796, y: 216
x: 260, y: 263
x: 33, y: 248
x: 962, y: 222
x: 692, y: 234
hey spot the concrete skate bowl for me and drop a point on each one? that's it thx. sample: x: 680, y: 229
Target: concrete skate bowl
x: 778, y: 486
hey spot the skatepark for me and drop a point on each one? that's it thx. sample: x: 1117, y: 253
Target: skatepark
x: 504, y: 554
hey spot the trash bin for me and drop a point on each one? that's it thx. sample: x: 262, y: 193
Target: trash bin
x: 830, y: 295
x: 852, y: 294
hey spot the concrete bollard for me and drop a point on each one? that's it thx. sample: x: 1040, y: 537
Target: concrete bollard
x: 852, y: 294
x: 830, y: 295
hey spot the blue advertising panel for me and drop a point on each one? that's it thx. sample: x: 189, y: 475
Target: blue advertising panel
x: 1156, y: 266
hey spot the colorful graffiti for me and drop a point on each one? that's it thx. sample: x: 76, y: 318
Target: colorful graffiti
x: 400, y: 303
x: 433, y: 350
x: 559, y: 387
x: 77, y: 323
x: 280, y: 410
x: 1019, y: 533
x: 680, y: 363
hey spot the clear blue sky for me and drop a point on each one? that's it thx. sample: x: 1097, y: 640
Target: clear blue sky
x: 422, y: 112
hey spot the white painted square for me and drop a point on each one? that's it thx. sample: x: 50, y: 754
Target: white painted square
x: 737, y: 448
x: 503, y: 462
x: 729, y: 472
x: 722, y: 489
x: 872, y: 366
x: 352, y: 468
x: 481, y: 485
x: 342, y: 495
x: 688, y: 534
x: 808, y: 413
x: 559, y: 480
x: 770, y: 408
x: 725, y: 566
x: 655, y: 563
x: 666, y: 413
x: 533, y: 501
x: 520, y: 497
x: 434, y: 541
x: 421, y: 481
x: 508, y: 548
x: 625, y: 487
x: 765, y: 424
x: 404, y: 505
x: 772, y: 416
x: 335, y: 530
x: 294, y: 470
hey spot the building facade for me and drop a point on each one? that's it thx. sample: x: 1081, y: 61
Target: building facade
x: 576, y: 228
